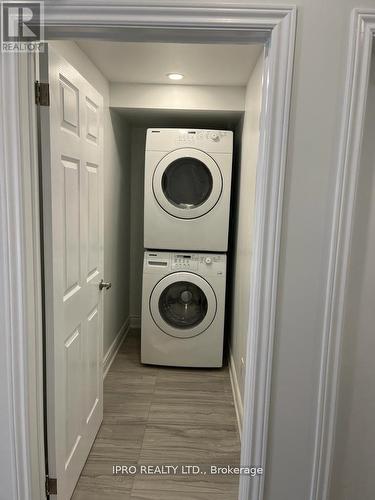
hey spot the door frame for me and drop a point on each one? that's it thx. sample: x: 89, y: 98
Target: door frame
x: 362, y: 33
x: 228, y: 21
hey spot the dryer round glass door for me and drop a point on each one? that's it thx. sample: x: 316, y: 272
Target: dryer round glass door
x: 187, y: 183
x: 183, y: 305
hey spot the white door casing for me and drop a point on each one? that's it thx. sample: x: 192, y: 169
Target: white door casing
x: 72, y: 152
x: 361, y: 37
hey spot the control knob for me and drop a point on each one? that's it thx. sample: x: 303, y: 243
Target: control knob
x: 214, y: 136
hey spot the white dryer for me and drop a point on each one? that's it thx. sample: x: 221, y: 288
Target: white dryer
x: 187, y: 189
x: 183, y: 302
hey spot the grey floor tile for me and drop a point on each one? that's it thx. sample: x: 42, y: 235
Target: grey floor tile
x: 130, y: 432
x: 103, y: 488
x: 129, y: 363
x: 134, y: 408
x: 192, y: 374
x: 178, y: 495
x: 117, y: 381
x: 199, y: 484
x: 186, y: 411
x: 106, y: 453
x: 173, y: 443
x: 194, y: 392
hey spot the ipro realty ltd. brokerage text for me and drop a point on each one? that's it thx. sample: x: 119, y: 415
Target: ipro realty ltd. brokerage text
x: 186, y: 469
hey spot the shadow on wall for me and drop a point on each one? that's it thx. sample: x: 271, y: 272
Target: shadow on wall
x: 117, y: 225
x: 138, y: 143
x: 233, y: 233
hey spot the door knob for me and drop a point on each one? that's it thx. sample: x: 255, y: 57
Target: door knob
x: 104, y: 284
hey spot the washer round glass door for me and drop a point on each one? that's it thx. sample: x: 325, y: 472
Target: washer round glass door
x: 187, y: 183
x: 183, y: 305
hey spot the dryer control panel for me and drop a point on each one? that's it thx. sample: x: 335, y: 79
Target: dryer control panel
x: 169, y: 139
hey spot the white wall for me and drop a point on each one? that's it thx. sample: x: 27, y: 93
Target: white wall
x: 116, y: 198
x: 192, y: 97
x: 243, y: 216
x: 354, y: 458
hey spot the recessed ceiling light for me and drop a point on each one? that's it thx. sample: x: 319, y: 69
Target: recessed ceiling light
x: 175, y: 76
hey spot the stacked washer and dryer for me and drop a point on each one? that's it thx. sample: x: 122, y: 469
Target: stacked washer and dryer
x: 186, y: 220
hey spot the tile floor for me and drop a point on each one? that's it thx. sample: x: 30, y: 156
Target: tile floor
x: 155, y: 415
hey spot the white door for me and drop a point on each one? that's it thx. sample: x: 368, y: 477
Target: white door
x: 187, y: 183
x: 72, y: 170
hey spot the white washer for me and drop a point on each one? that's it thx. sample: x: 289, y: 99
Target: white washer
x: 187, y: 189
x: 183, y: 302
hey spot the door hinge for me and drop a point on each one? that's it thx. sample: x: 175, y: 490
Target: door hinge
x: 51, y: 486
x: 42, y: 93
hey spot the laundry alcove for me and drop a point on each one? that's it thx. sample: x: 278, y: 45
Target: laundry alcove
x: 230, y: 102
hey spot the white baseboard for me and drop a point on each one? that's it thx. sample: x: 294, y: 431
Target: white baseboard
x: 115, y: 346
x: 135, y: 321
x: 238, y: 404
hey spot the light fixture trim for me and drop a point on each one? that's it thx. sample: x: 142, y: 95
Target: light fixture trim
x: 175, y: 76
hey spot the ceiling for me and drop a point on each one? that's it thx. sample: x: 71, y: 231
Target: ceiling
x: 201, y: 64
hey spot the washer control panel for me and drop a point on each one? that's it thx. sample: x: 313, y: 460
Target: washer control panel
x: 182, y: 261
x: 198, y: 262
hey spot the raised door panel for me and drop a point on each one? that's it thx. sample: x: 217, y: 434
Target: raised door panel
x: 71, y: 225
x: 93, y: 220
x: 73, y: 393
x: 69, y: 105
x: 92, y: 352
x: 92, y: 121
